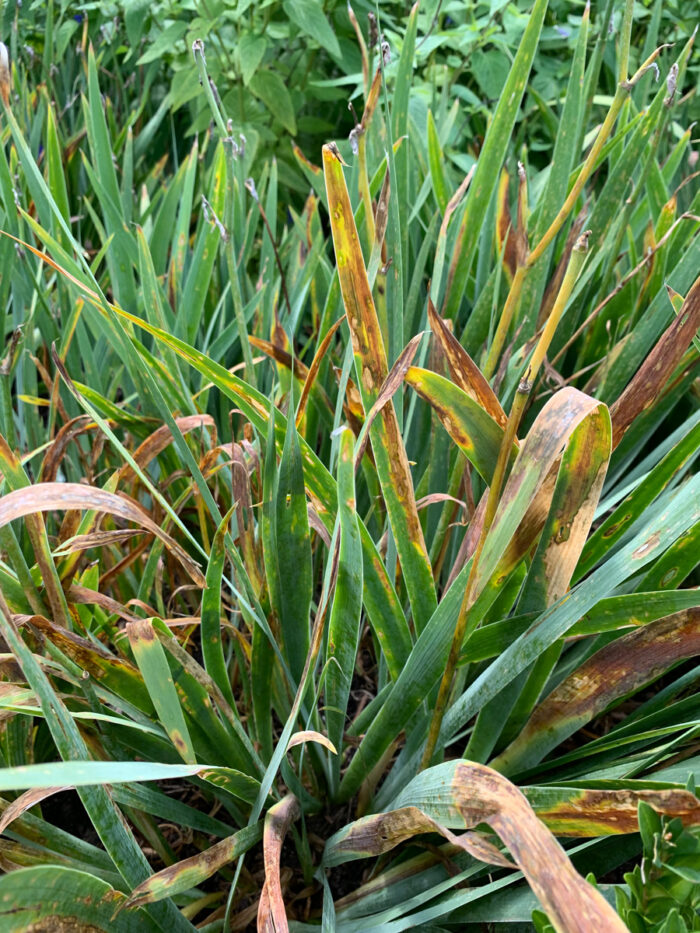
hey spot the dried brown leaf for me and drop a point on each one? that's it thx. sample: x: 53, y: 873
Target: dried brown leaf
x: 46, y: 497
x: 464, y: 371
x: 27, y: 800
x: 272, y: 917
x: 651, y: 376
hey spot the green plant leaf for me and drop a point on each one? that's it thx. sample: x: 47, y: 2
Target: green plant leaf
x: 371, y: 370
x: 269, y: 87
x: 251, y: 50
x: 346, y: 612
x: 310, y: 18
x: 153, y: 664
x: 57, y: 898
x: 491, y: 159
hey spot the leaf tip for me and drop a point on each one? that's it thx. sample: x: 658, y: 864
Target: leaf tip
x: 331, y: 151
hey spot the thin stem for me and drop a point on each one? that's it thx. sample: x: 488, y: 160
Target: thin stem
x: 646, y: 259
x: 499, y: 338
x: 363, y: 185
x: 625, y: 37
x: 537, y: 252
x: 583, y: 176
x: 229, y: 208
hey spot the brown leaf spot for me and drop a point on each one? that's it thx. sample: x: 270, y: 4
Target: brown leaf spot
x: 648, y: 545
x: 562, y: 533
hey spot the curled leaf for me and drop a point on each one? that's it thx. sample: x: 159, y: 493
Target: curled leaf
x: 462, y: 794
x: 308, y: 735
x: 272, y: 917
x: 27, y: 800
x: 46, y: 497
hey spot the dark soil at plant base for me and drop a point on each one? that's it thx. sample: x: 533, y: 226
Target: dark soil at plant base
x: 65, y: 810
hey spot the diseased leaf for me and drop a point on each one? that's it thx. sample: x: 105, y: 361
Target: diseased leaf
x: 569, y: 417
x: 293, y: 559
x: 114, y: 673
x: 308, y: 735
x: 390, y: 387
x: 575, y: 499
x: 511, y: 238
x: 184, y: 875
x: 651, y: 376
x: 611, y: 673
x: 473, y: 429
x: 153, y: 664
x: 66, y: 901
x: 374, y: 835
x: 272, y: 917
x: 212, y: 648
x: 44, y: 497
x: 371, y: 369
x: 26, y: 801
x: 607, y: 810
x: 461, y: 794
x: 346, y: 611
x: 464, y: 371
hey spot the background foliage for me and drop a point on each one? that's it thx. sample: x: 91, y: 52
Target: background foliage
x: 252, y: 399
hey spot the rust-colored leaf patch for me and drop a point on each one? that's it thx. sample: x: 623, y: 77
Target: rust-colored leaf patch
x: 194, y: 870
x: 511, y: 239
x: 464, y: 371
x: 272, y: 917
x: 391, y: 385
x: 594, y: 812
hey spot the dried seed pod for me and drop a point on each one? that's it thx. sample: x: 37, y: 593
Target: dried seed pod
x: 373, y: 30
x: 671, y: 82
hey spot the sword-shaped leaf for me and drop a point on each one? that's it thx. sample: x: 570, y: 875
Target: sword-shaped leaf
x: 471, y: 427
x: 491, y: 159
x: 292, y: 545
x: 212, y: 649
x: 184, y: 875
x: 346, y: 611
x: 371, y: 369
x: 153, y: 664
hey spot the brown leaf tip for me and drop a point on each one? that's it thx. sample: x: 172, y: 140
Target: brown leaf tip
x: 332, y: 149
x: 142, y: 629
x: 582, y: 242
